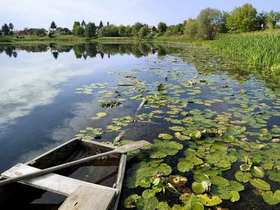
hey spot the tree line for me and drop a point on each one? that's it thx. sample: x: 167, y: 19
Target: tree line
x: 206, y: 25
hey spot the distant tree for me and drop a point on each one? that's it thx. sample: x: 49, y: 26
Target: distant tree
x: 144, y: 31
x: 175, y: 29
x: 261, y: 21
x: 11, y: 26
x: 90, y: 30
x: 108, y: 23
x: 136, y: 27
x: 162, y: 27
x: 223, y: 24
x: 109, y: 31
x: 5, y: 29
x: 123, y: 31
x: 83, y: 24
x: 191, y: 28
x: 242, y: 19
x: 209, y: 21
x: 100, y: 25
x: 53, y: 26
x: 272, y: 18
x: 154, y: 29
x: 78, y: 30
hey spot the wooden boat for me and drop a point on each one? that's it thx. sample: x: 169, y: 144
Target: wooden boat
x: 95, y: 185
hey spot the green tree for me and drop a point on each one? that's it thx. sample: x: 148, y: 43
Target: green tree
x: 5, y: 29
x: 209, y: 22
x: 272, y: 18
x: 53, y: 26
x: 90, y: 30
x: 191, y: 28
x: 136, y: 28
x: 83, y: 24
x: 78, y: 30
x: 162, y: 27
x: 144, y: 31
x: 100, y: 25
x: 242, y: 19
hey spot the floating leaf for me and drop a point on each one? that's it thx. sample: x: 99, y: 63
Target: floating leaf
x: 271, y: 198
x: 161, y: 149
x: 219, y: 181
x: 100, y: 115
x: 258, y: 172
x: 144, y: 172
x: 130, y: 201
x: 201, y: 187
x: 210, y: 201
x: 274, y: 176
x: 181, y: 137
x: 242, y: 176
x: 234, y: 196
x: 165, y: 136
x: 260, y: 184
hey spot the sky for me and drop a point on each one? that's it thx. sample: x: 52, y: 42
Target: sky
x: 39, y: 13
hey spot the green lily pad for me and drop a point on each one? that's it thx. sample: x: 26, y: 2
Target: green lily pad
x: 165, y: 136
x: 90, y: 133
x: 144, y: 172
x: 260, y: 184
x: 234, y: 196
x: 163, y: 206
x: 190, y: 160
x: 271, y: 198
x: 200, y: 187
x: 100, y: 115
x: 274, y: 176
x: 258, y: 172
x: 162, y: 149
x: 177, y: 128
x: 242, y: 176
x: 130, y: 201
x: 147, y: 204
x: 219, y: 181
x: 181, y: 137
x: 210, y: 201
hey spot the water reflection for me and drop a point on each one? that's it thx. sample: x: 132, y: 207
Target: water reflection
x: 87, y: 50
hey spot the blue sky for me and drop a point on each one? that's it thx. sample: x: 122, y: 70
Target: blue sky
x: 39, y: 13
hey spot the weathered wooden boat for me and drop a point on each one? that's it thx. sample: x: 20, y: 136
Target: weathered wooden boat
x: 95, y: 185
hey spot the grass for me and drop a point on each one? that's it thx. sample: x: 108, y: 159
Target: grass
x: 260, y: 50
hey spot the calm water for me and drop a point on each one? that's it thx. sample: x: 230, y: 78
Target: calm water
x: 40, y: 107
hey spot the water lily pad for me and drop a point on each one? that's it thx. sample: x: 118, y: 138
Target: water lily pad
x: 100, y: 115
x: 130, y: 201
x: 242, y: 176
x: 144, y: 172
x: 210, y: 201
x: 181, y: 137
x: 234, y: 196
x: 190, y: 160
x: 177, y: 128
x: 219, y: 181
x: 274, y: 176
x: 258, y: 172
x: 201, y: 187
x: 90, y: 133
x: 165, y: 136
x: 161, y: 149
x: 271, y: 198
x: 260, y: 184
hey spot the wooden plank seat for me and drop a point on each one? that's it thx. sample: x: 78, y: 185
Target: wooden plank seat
x: 53, y: 182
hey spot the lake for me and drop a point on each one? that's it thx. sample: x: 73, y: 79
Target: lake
x: 215, y: 127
